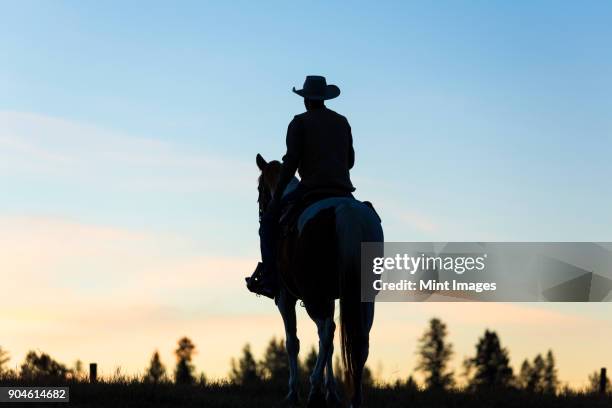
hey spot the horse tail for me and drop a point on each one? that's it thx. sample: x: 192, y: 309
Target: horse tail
x: 355, y: 223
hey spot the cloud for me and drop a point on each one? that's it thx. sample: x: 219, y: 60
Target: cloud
x: 407, y: 217
x: 492, y: 314
x: 59, y: 261
x: 73, y: 289
x: 58, y: 149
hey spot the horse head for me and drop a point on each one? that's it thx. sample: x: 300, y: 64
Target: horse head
x: 267, y: 182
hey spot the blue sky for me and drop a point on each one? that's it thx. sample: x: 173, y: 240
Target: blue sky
x: 471, y: 120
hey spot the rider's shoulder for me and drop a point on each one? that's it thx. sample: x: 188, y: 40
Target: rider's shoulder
x: 339, y: 116
x: 297, y: 121
x: 300, y: 116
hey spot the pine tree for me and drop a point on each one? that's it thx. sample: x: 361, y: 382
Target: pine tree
x: 524, y: 377
x: 306, y: 367
x: 310, y: 361
x: 434, y: 354
x: 491, y: 364
x: 536, y: 378
x: 202, y: 379
x: 245, y: 371
x: 275, y: 365
x: 183, y: 373
x: 550, y: 381
x: 156, y: 371
x: 411, y: 384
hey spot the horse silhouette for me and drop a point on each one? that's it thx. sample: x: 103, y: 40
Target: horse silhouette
x: 319, y: 263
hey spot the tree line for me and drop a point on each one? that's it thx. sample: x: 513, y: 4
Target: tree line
x: 488, y: 369
x: 40, y: 365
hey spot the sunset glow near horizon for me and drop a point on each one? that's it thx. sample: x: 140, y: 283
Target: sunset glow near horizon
x: 128, y: 135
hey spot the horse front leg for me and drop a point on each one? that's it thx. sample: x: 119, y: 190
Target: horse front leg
x: 286, y: 306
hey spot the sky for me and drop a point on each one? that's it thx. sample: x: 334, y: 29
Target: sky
x: 128, y: 135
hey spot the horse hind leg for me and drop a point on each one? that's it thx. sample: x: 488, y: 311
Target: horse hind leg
x: 331, y: 386
x: 286, y: 306
x: 367, y: 318
x: 325, y: 329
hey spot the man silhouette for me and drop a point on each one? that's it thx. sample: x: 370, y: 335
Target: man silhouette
x: 320, y: 148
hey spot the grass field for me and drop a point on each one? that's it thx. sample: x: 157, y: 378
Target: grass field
x: 137, y: 394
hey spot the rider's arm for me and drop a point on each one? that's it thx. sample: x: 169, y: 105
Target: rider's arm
x: 291, y: 159
x: 351, y: 158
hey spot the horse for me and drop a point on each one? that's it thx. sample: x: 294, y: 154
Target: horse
x: 319, y: 264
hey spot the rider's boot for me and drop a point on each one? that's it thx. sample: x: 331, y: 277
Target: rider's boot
x: 262, y: 282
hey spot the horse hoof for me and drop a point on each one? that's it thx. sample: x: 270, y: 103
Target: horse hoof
x: 333, y: 400
x: 291, y: 400
x: 316, y: 399
x: 355, y: 405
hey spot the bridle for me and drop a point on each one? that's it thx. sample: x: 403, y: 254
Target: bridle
x: 264, y: 192
x: 264, y: 195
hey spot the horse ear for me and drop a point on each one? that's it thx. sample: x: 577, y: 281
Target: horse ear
x: 261, y: 162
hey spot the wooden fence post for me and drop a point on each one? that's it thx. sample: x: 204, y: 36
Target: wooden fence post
x: 93, y: 372
x: 603, y: 381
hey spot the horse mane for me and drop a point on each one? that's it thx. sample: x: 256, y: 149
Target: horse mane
x: 269, y: 177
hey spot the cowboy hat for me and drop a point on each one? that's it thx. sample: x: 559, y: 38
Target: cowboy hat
x: 316, y: 88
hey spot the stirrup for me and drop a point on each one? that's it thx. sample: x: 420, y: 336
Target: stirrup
x: 255, y: 283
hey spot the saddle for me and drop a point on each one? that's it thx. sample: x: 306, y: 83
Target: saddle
x: 291, y: 211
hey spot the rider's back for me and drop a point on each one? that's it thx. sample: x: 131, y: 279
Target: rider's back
x: 320, y: 142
